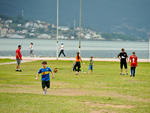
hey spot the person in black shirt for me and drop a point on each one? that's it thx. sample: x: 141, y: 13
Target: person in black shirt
x: 123, y: 61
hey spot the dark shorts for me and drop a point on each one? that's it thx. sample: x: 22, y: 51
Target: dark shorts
x: 77, y: 66
x: 90, y: 67
x: 18, y: 61
x: 45, y: 84
x: 123, y: 64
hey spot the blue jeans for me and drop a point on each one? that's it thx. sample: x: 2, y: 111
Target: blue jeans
x: 132, y: 69
x: 90, y: 67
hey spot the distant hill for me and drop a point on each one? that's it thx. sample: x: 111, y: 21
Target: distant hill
x: 19, y: 27
x: 123, y: 17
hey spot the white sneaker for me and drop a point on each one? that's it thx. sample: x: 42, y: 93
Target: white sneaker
x: 44, y: 92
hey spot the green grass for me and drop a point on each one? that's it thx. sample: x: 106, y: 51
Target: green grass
x: 6, y: 60
x: 103, y: 91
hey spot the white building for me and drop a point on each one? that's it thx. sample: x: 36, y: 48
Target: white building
x: 15, y: 36
x: 44, y: 36
x: 63, y: 28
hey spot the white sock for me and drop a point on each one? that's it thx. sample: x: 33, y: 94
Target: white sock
x: 45, y: 91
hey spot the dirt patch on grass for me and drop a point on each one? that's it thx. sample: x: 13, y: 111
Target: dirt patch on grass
x: 58, y: 88
x: 68, y: 92
x: 91, y: 104
x: 126, y: 97
x: 17, y: 86
x: 56, y: 84
x: 57, y: 92
x: 102, y: 111
x: 103, y: 108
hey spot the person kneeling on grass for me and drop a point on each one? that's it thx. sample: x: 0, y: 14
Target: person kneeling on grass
x: 45, y: 76
x: 133, y: 63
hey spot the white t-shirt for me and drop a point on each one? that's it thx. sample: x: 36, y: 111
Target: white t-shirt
x: 31, y: 47
x: 62, y: 47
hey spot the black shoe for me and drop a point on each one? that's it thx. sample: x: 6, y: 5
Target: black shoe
x: 20, y: 70
x: 17, y: 70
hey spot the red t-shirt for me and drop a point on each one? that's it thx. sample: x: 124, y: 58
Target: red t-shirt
x: 133, y: 59
x: 18, y: 54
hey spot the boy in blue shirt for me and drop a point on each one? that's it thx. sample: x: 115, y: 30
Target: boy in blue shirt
x: 45, y: 76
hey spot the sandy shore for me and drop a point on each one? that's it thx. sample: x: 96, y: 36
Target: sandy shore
x: 54, y: 58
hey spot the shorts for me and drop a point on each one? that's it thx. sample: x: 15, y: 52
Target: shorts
x: 77, y: 66
x: 18, y: 61
x: 90, y: 67
x: 45, y: 84
x: 123, y: 64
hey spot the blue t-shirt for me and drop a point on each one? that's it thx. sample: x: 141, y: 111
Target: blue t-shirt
x: 45, y: 73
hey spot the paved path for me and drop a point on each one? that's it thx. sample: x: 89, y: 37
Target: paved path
x: 30, y: 59
x: 5, y: 63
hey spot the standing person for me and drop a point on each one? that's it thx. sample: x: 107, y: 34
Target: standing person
x: 45, y: 76
x: 77, y: 65
x: 31, y: 49
x: 133, y: 63
x: 91, y: 64
x: 61, y: 50
x: 123, y: 61
x: 18, y: 58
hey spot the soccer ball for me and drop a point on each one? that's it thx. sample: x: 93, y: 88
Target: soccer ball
x: 55, y: 70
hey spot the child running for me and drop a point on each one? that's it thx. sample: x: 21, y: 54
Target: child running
x: 45, y: 76
x: 77, y: 65
x: 133, y: 63
x: 91, y: 64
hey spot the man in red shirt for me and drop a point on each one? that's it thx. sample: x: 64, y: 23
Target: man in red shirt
x: 133, y: 63
x: 18, y: 58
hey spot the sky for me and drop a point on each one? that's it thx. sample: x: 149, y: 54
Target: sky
x: 99, y: 15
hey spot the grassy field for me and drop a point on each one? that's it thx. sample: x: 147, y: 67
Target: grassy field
x: 6, y: 60
x: 103, y: 91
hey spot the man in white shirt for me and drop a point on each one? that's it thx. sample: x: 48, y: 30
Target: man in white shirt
x: 61, y: 50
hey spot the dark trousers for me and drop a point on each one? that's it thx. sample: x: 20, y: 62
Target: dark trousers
x: 61, y: 52
x: 77, y: 66
x: 31, y: 53
x: 133, y: 71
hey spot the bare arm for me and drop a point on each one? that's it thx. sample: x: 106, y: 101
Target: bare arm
x: 52, y: 74
x: 81, y: 60
x: 118, y: 56
x: 37, y: 76
x: 129, y: 60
